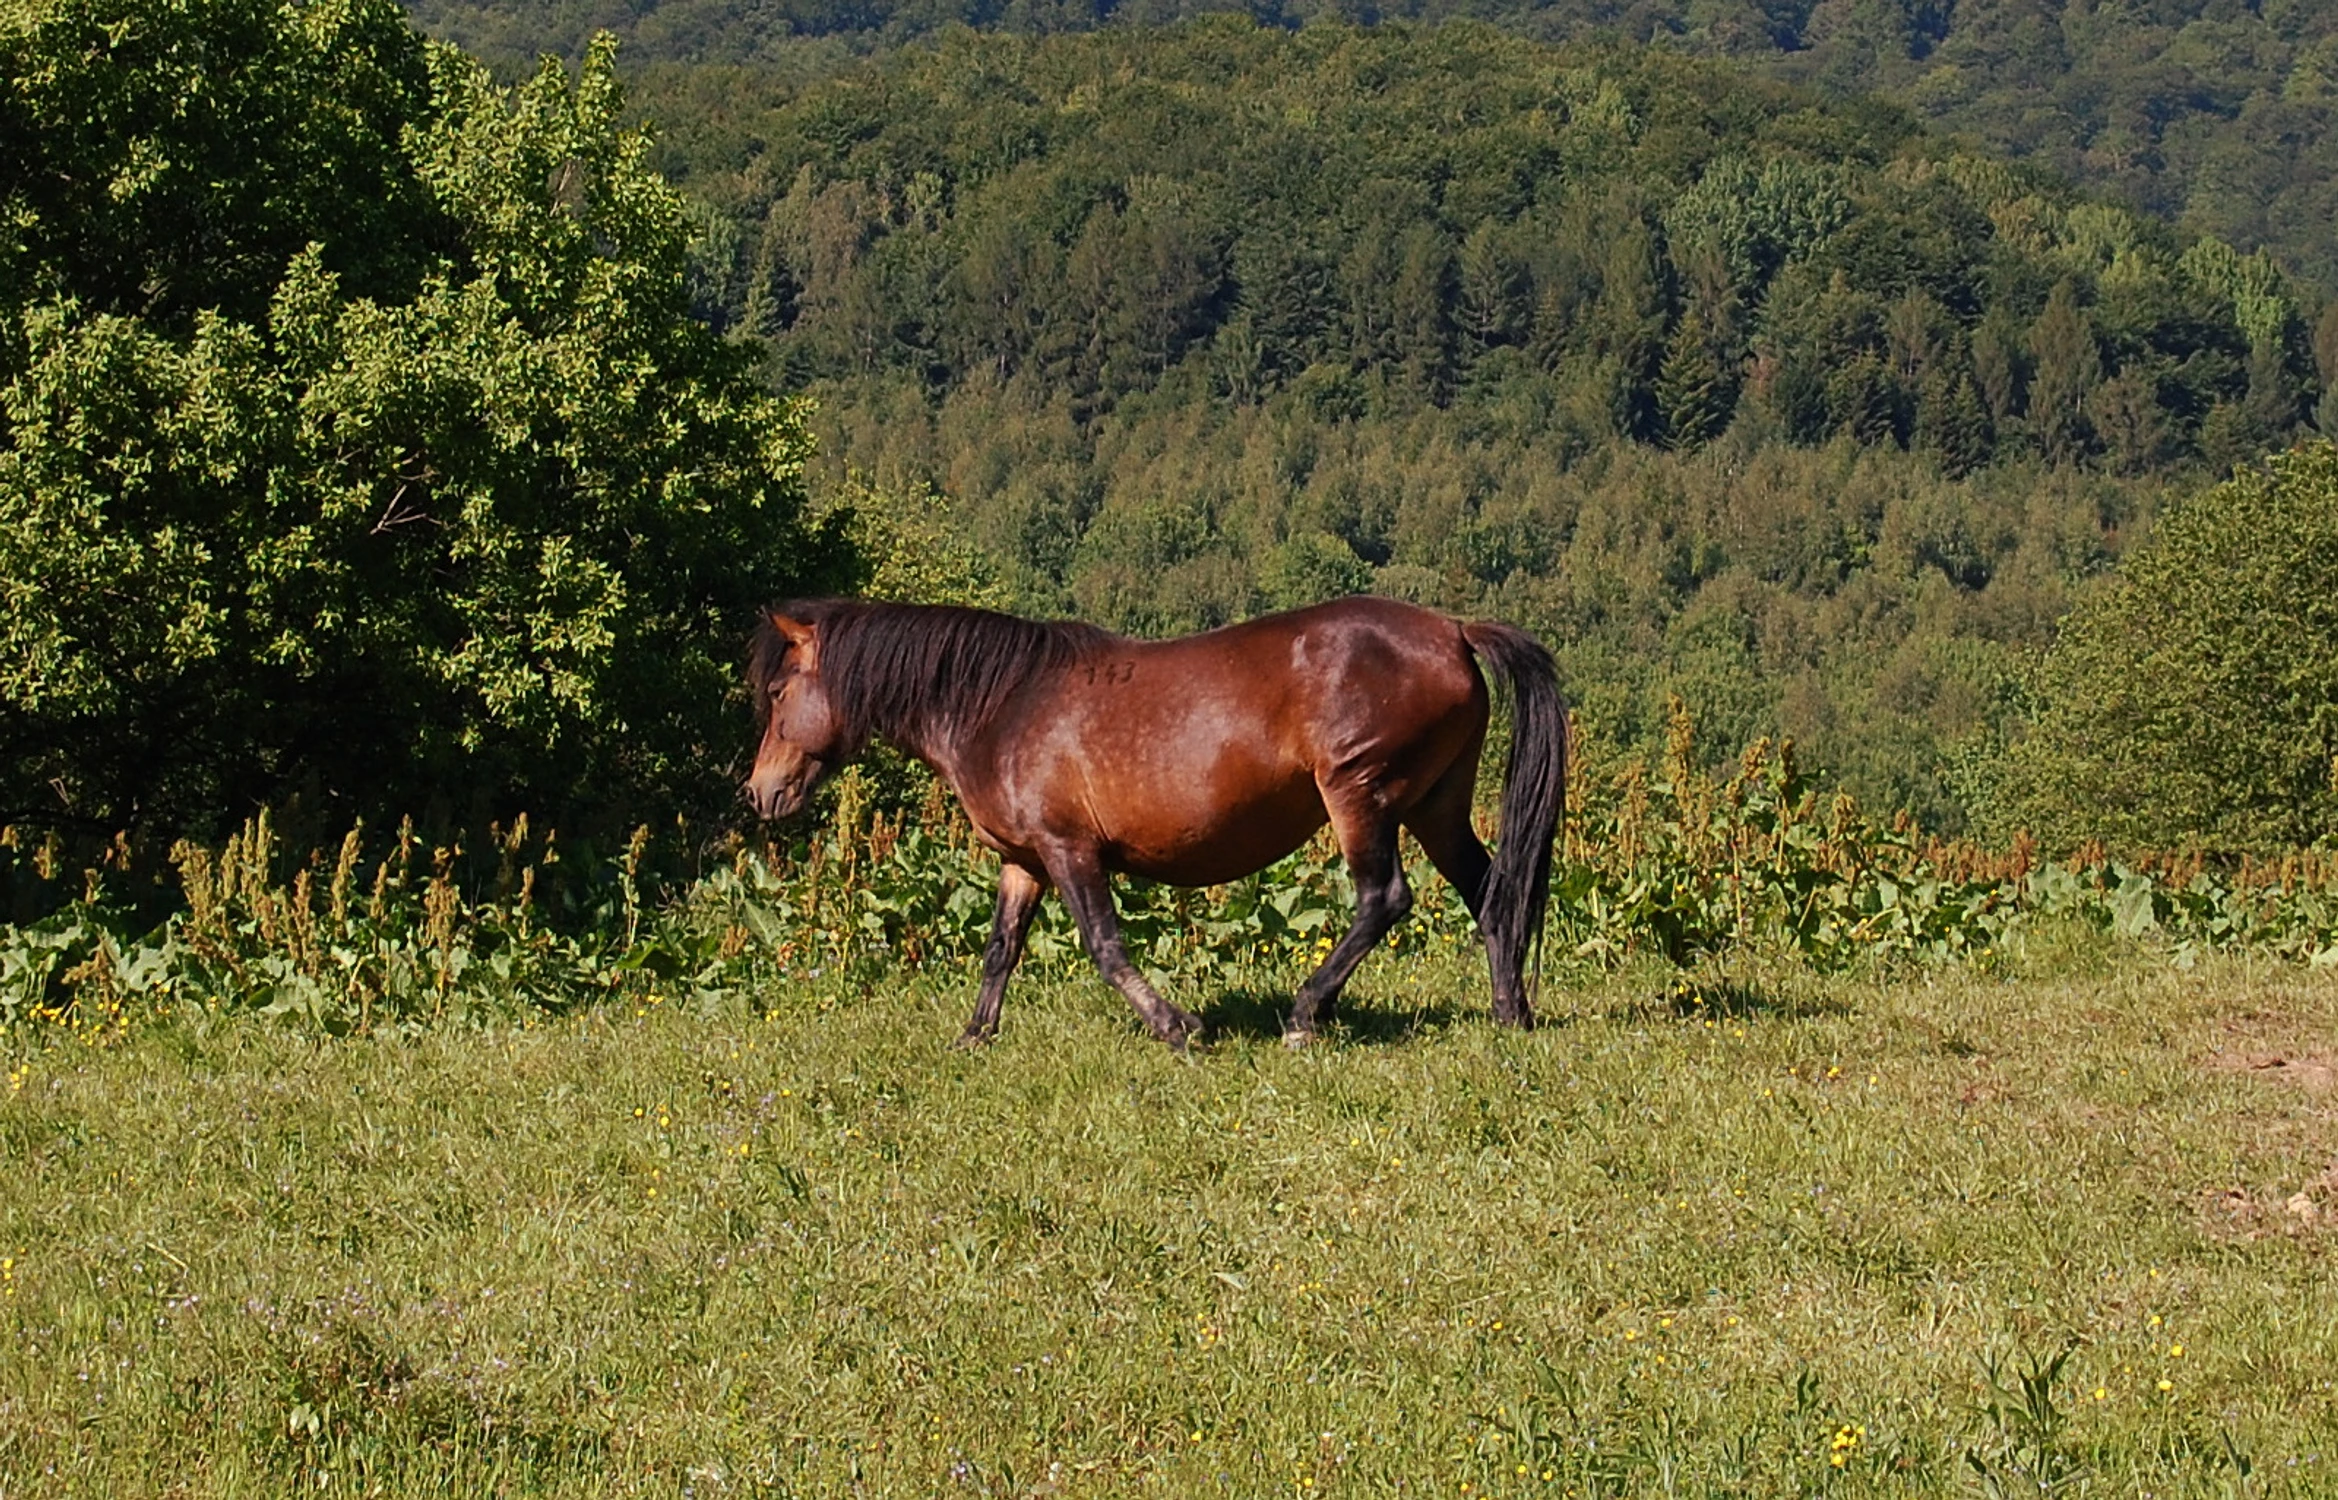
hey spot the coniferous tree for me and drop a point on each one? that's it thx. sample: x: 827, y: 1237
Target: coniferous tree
x: 2069, y: 367
x: 2000, y: 366
x: 2326, y: 345
x: 1916, y: 328
x: 1856, y: 43
x: 1864, y: 401
x: 774, y: 292
x: 2231, y: 435
x: 1628, y: 326
x: 1490, y: 285
x: 1284, y: 289
x: 1693, y: 389
x: 2132, y: 425
x: 1952, y: 424
x: 2276, y: 393
x: 1421, y: 302
x: 1368, y: 276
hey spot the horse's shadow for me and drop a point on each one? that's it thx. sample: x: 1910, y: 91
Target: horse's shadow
x: 1264, y: 1015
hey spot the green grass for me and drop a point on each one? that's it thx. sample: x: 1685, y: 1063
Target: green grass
x: 790, y: 1243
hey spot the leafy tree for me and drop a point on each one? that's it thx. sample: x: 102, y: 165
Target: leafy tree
x: 1309, y: 567
x: 913, y: 550
x: 402, y: 479
x: 2197, y: 697
x: 164, y: 161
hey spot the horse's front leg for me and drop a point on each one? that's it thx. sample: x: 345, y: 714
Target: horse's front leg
x: 1368, y: 841
x: 1010, y: 923
x: 1079, y: 874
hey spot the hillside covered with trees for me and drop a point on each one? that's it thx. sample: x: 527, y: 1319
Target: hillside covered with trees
x: 361, y: 446
x: 1785, y: 405
x: 2213, y: 115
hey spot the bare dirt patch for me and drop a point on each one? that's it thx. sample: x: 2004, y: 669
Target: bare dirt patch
x: 2238, y: 1213
x: 2316, y: 1073
x: 2310, y: 1207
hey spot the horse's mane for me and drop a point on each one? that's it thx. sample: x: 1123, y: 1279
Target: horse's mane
x: 917, y: 669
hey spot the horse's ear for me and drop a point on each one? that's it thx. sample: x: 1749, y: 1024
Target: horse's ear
x: 801, y: 639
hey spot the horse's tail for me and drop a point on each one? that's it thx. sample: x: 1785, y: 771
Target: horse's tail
x: 1534, y: 799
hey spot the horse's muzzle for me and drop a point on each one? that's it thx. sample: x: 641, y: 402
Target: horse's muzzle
x: 782, y: 796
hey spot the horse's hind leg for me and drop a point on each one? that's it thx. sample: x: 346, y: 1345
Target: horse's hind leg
x: 1018, y: 902
x: 1367, y: 837
x: 1441, y: 823
x: 1080, y: 876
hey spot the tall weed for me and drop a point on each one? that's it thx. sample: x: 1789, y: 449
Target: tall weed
x: 1663, y: 861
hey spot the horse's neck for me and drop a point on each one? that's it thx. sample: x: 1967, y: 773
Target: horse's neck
x: 922, y: 740
x: 923, y: 731
x: 940, y: 728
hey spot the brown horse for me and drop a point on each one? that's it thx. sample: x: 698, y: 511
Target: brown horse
x: 1194, y: 761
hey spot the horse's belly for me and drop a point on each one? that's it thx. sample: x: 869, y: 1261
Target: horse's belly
x: 1210, y: 843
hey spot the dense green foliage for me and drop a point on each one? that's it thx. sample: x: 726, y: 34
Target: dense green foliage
x: 1651, y: 246
x: 1707, y: 876
x: 1722, y: 389
x: 2197, y: 697
x: 429, y: 492
x: 355, y: 438
x: 2212, y: 114
x: 357, y: 443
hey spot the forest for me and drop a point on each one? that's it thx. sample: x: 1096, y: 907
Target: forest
x: 1733, y: 389
x: 1751, y: 395
x: 2213, y: 115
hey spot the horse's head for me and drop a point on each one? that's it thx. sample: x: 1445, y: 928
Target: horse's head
x: 802, y: 736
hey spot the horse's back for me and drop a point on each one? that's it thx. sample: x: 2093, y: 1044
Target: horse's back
x: 1202, y: 758
x: 1320, y: 684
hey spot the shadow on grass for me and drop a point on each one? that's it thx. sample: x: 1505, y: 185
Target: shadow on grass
x: 1693, y: 999
x: 1263, y: 1013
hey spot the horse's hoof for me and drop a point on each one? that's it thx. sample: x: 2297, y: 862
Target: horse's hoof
x: 970, y: 1040
x: 1295, y: 1038
x: 1182, y: 1034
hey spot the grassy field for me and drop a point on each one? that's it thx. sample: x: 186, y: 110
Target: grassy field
x: 2063, y: 1231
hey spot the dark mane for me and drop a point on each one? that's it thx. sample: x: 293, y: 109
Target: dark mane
x: 917, y: 670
